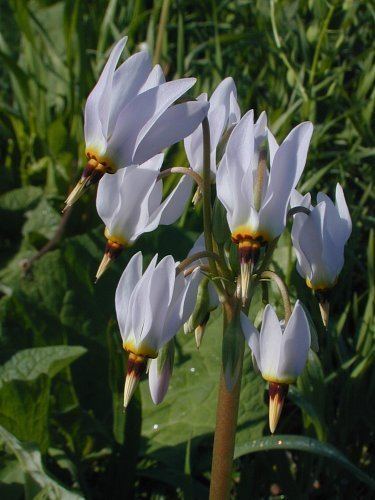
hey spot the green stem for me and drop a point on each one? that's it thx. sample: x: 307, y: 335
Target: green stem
x: 197, y: 256
x: 162, y: 24
x: 282, y: 53
x: 271, y: 275
x: 182, y: 170
x: 319, y: 43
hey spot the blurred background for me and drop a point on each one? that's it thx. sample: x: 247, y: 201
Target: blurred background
x: 62, y: 430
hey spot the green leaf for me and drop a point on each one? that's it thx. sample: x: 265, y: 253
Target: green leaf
x: 20, y: 200
x: 302, y: 443
x: 24, y: 408
x: 28, y: 364
x: 189, y: 408
x: 30, y: 460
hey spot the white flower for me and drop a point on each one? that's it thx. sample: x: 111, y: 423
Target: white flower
x: 130, y: 204
x: 280, y: 352
x: 256, y: 200
x: 129, y: 116
x: 319, y: 238
x: 151, y: 308
x: 223, y: 114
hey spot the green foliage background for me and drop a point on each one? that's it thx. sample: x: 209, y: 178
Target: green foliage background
x: 62, y: 431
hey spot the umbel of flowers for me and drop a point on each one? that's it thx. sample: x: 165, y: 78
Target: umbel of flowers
x: 131, y: 115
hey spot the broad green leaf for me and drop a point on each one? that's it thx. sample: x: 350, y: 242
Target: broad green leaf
x: 189, y: 408
x: 302, y: 443
x: 28, y: 364
x: 30, y: 460
x: 20, y: 200
x: 24, y: 408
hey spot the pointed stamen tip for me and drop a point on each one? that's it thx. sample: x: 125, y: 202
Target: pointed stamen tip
x: 277, y: 394
x: 136, y: 367
x: 106, y: 260
x: 324, y: 312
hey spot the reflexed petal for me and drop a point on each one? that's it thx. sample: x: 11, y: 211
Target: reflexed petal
x: 136, y: 119
x: 139, y: 308
x: 131, y: 215
x: 319, y: 249
x: 286, y: 170
x: 159, y: 298
x: 98, y: 103
x: 272, y: 145
x: 173, y: 125
x: 295, y: 344
x: 194, y: 144
x: 251, y: 335
x: 127, y: 82
x: 240, y: 145
x: 298, y: 200
x: 303, y: 268
x: 155, y: 78
x: 234, y: 110
x: 260, y: 134
x: 173, y: 206
x: 342, y: 207
x: 269, y: 343
x: 219, y: 109
x: 182, y: 303
x: 108, y: 196
x: 155, y: 163
x: 125, y: 287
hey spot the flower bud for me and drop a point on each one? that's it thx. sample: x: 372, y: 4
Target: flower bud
x: 207, y: 301
x: 160, y: 372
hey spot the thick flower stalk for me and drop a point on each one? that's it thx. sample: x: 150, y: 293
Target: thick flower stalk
x: 130, y: 204
x: 256, y: 200
x: 280, y: 353
x: 151, y: 308
x: 319, y: 240
x: 129, y: 117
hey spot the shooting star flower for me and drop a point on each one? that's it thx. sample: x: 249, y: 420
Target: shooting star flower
x: 151, y: 308
x: 319, y: 240
x: 130, y: 204
x: 256, y: 200
x: 223, y: 114
x: 129, y: 117
x: 280, y: 352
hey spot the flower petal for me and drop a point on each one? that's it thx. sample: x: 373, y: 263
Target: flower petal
x: 295, y: 344
x: 136, y: 119
x: 155, y: 78
x: 98, y: 103
x: 269, y: 344
x: 286, y: 169
x: 127, y: 82
x: 129, y: 278
x: 174, y: 124
x: 251, y: 335
x: 159, y: 298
